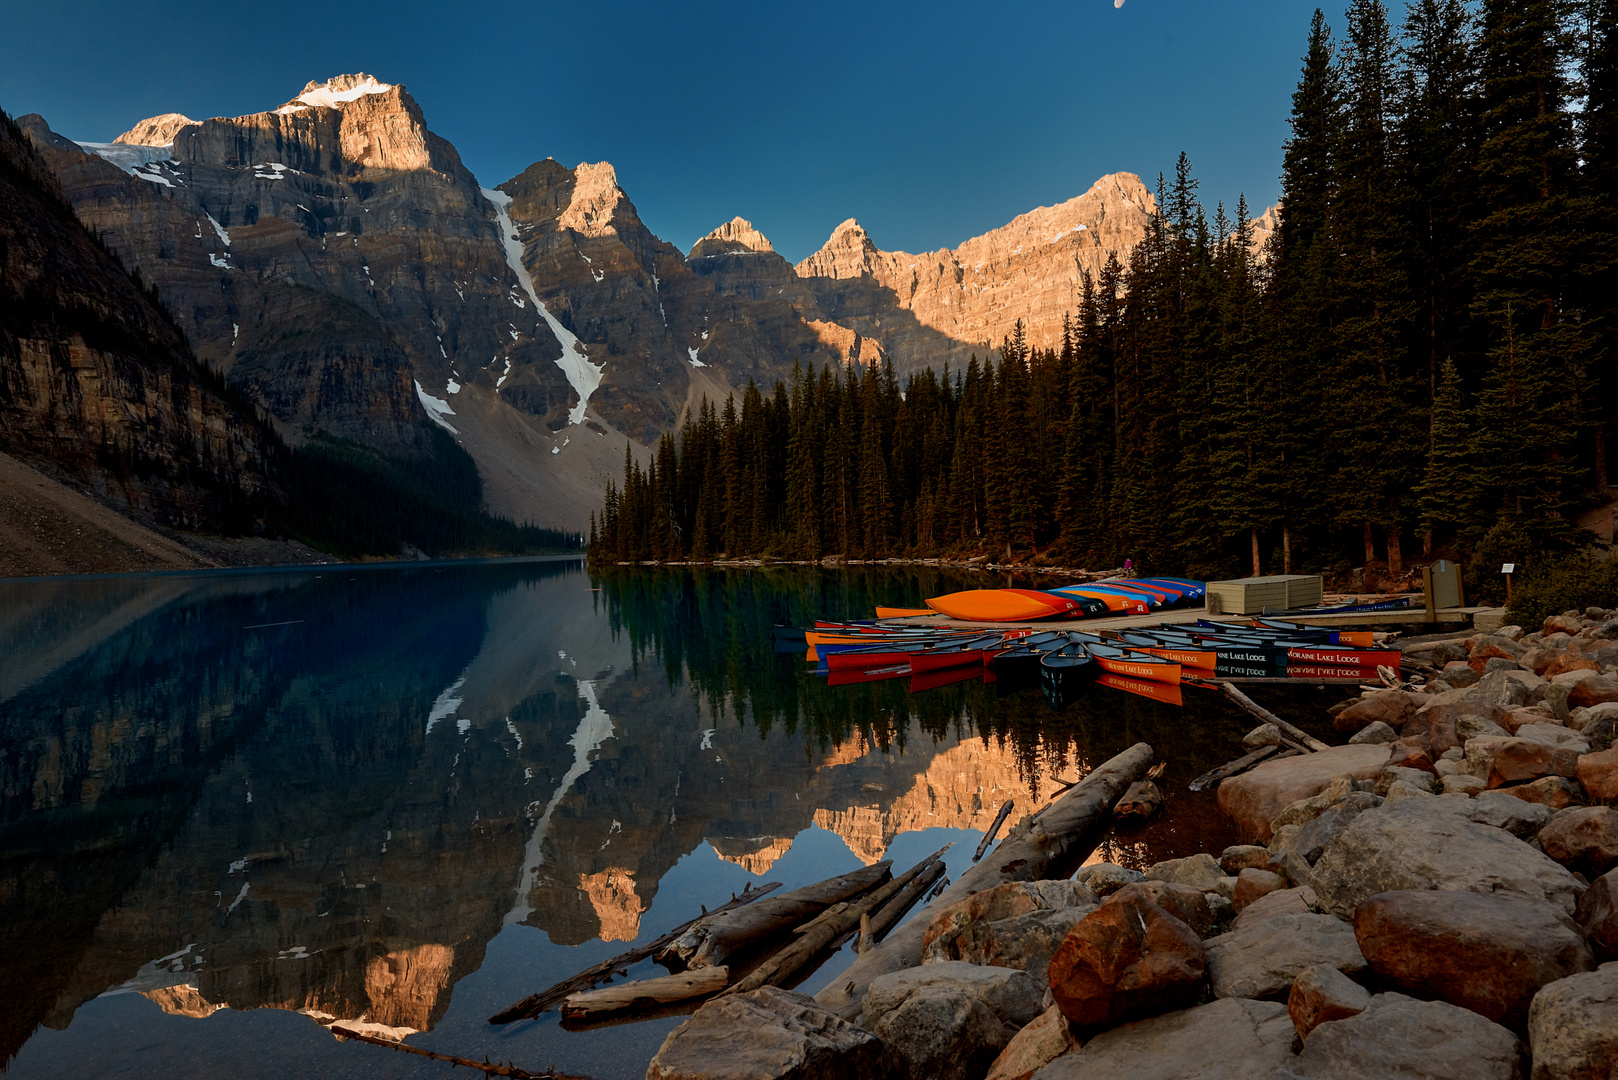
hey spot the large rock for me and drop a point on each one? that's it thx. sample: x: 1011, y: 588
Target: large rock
x: 1128, y: 959
x: 1559, y: 692
x: 1255, y: 798
x: 1306, y: 810
x: 1553, y: 734
x: 1239, y: 857
x: 1104, y: 879
x: 1011, y: 995
x: 768, y: 1033
x: 1500, y: 688
x: 1598, y: 773
x: 1488, y: 953
x: 1025, y: 942
x: 941, y: 1032
x: 1321, y: 994
x: 1518, y: 759
x: 1431, y: 844
x: 1598, y: 916
x: 1584, y: 838
x: 1200, y: 871
x: 1261, y: 959
x: 1229, y: 1039
x: 1503, y: 811
x: 1573, y: 1027
x: 1551, y: 792
x: 1398, y: 1038
x: 1252, y: 884
x: 1312, y: 839
x: 1047, y: 1038
x: 1592, y: 691
x: 1295, y: 901
x: 1391, y: 707
x: 1184, y: 902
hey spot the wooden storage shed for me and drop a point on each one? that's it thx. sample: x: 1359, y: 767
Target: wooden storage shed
x: 1250, y: 596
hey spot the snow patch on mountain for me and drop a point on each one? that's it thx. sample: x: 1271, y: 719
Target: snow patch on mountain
x: 334, y: 92
x: 437, y: 409
x: 582, y: 375
x: 128, y: 157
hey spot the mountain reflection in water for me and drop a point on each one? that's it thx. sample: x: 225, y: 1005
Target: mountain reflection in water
x: 403, y: 798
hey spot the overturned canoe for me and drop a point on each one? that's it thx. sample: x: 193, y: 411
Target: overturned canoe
x: 903, y: 612
x: 1010, y: 605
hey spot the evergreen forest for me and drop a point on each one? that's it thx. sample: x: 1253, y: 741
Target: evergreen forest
x: 1417, y: 358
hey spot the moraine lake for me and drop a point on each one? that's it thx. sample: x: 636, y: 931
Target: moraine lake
x: 234, y: 805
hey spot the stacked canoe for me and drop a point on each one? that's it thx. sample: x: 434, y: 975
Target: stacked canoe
x: 1111, y: 596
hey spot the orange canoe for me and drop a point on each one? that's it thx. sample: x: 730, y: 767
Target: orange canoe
x: 1006, y: 605
x: 1157, y: 691
x: 903, y: 612
x: 1126, y: 605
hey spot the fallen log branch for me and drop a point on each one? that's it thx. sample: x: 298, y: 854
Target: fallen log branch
x: 1052, y: 843
x: 1140, y: 801
x: 1231, y: 768
x: 1268, y: 717
x: 487, y: 1067
x: 711, y: 941
x: 988, y: 837
x: 822, y: 932
x: 645, y: 993
x: 546, y: 1000
x: 894, y: 910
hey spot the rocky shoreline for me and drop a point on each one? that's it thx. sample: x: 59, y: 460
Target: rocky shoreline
x: 1437, y: 897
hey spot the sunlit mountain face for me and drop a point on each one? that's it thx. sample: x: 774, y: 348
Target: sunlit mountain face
x: 399, y: 800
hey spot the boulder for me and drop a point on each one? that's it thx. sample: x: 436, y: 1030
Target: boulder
x: 1126, y: 960
x: 1025, y: 942
x: 1252, y: 884
x: 1528, y: 714
x: 1047, y: 1038
x: 1573, y: 1027
x: 1306, y: 810
x: 1200, y: 871
x: 1399, y: 1038
x: 1458, y: 673
x: 1322, y: 993
x: 1598, y: 774
x: 1472, y: 725
x: 1583, y: 838
x: 1390, y: 707
x: 962, y: 931
x: 1592, y: 691
x: 1559, y: 692
x: 1263, y: 735
x: 940, y: 1032
x: 1462, y: 784
x: 1298, y: 901
x: 1104, y: 879
x: 1486, y: 952
x: 1554, y: 792
x: 1565, y: 662
x: 1255, y: 798
x: 1010, y: 995
x: 1411, y: 756
x: 1431, y: 844
x: 1261, y: 960
x: 1553, y: 734
x: 1598, y: 916
x: 1374, y: 734
x: 1184, y: 902
x: 1520, y: 759
x: 768, y: 1033
x: 1401, y: 790
x: 1239, y: 857
x: 1230, y: 1038
x: 1420, y: 779
x: 1499, y: 688
x: 1312, y: 839
x: 1562, y: 624
x: 1503, y: 811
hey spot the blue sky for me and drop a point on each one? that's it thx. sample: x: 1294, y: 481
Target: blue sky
x: 929, y: 122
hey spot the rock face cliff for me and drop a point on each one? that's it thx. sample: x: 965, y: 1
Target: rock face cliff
x: 97, y: 387
x: 942, y: 306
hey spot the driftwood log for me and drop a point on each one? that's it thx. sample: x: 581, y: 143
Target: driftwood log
x: 645, y: 993
x: 1231, y: 768
x: 546, y: 1000
x: 902, y: 901
x: 1140, y: 801
x: 823, y: 931
x: 1050, y: 844
x: 994, y: 828
x: 486, y: 1067
x: 711, y: 941
x: 1268, y: 717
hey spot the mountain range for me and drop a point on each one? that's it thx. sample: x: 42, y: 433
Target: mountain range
x: 339, y: 265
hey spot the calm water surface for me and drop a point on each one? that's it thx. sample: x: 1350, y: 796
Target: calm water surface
x: 232, y: 806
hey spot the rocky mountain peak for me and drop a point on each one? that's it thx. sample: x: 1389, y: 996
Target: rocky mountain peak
x: 735, y: 236
x: 847, y: 253
x: 336, y: 92
x: 596, y: 199
x: 155, y: 130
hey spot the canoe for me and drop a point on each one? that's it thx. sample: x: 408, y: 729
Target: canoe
x: 1161, y: 593
x: 855, y: 659
x: 1021, y: 658
x: 1009, y: 605
x: 903, y: 612
x: 1196, y: 590
x: 1136, y: 665
x: 1361, y: 638
x: 1187, y: 655
x: 1168, y: 693
x: 1064, y: 671
x: 1116, y: 601
x: 949, y: 656
x: 1226, y: 651
x: 1110, y: 588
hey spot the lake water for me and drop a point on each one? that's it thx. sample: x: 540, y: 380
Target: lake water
x: 233, y: 805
